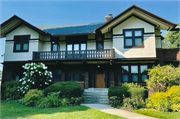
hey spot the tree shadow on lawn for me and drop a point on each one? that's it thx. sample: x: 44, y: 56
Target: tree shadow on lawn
x: 21, y: 111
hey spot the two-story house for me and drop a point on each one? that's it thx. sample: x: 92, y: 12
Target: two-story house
x: 96, y: 55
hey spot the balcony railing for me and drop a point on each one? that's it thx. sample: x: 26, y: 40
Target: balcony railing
x: 83, y: 54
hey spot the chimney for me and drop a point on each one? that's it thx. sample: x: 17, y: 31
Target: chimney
x: 108, y: 18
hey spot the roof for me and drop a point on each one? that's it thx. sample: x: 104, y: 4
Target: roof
x: 71, y: 29
x: 14, y: 22
x: 142, y: 11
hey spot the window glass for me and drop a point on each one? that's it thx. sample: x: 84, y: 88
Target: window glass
x: 76, y: 77
x: 125, y: 78
x: 82, y: 77
x: 16, y: 77
x: 18, y: 46
x: 69, y: 77
x: 138, y: 33
x: 76, y: 46
x: 134, y: 69
x: 125, y: 69
x: 128, y: 42
x: 69, y: 47
x: 57, y: 75
x: 25, y: 46
x: 128, y: 33
x: 135, y: 78
x: 83, y: 46
x: 100, y: 46
x: 143, y: 68
x: 144, y: 77
x: 138, y: 41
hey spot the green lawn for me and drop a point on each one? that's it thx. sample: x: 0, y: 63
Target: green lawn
x: 77, y: 112
x: 168, y: 115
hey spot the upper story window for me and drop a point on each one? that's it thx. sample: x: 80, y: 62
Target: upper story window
x: 21, y: 43
x: 55, y: 46
x: 133, y: 38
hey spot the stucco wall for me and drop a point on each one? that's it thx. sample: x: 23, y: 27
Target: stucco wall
x: 149, y: 40
x: 158, y: 42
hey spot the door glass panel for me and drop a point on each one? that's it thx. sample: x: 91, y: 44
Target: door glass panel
x: 76, y: 46
x: 128, y: 33
x: 128, y: 42
x: 125, y: 78
x: 134, y: 69
x: 25, y: 46
x: 69, y: 47
x: 18, y: 46
x: 100, y: 46
x: 138, y: 33
x: 83, y: 46
x: 55, y: 47
x: 135, y: 78
x: 76, y: 77
x: 125, y: 69
x: 138, y: 41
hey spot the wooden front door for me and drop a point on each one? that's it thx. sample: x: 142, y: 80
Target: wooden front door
x: 99, y: 78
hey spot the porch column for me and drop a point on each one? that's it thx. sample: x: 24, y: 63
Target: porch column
x: 112, y: 82
x: 86, y: 82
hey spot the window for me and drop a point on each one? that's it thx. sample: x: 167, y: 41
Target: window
x: 143, y: 72
x: 99, y: 43
x: 57, y: 75
x: 55, y: 46
x: 125, y: 73
x: 133, y: 38
x: 134, y: 73
x: 75, y: 77
x: 21, y: 43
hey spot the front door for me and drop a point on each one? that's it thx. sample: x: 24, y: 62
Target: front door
x: 99, y: 78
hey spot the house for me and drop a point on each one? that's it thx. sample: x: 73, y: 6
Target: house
x: 96, y: 55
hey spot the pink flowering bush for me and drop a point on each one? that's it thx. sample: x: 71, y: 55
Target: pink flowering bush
x: 36, y: 76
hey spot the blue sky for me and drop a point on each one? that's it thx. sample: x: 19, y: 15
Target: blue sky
x: 56, y: 12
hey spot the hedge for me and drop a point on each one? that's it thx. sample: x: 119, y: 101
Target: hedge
x: 68, y: 89
x: 118, y: 91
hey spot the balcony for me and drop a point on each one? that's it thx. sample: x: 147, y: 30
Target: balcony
x: 83, y: 54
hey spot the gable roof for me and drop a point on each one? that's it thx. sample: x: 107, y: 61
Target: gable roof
x: 71, y: 29
x: 140, y: 13
x: 14, y: 22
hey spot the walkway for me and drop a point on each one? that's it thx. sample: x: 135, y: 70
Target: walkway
x: 118, y: 112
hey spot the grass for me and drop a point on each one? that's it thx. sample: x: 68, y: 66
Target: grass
x: 168, y: 115
x: 17, y: 111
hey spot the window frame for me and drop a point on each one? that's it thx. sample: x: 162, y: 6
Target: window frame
x: 133, y: 38
x: 21, y: 42
x: 72, y: 76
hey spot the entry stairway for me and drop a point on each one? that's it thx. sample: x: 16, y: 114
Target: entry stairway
x: 96, y: 95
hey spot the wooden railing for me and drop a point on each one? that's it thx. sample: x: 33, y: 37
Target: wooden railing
x: 83, y: 54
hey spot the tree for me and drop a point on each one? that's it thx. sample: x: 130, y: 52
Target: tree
x: 172, y: 40
x: 36, y: 77
x: 0, y: 72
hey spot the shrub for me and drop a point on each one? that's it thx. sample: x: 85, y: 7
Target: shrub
x: 162, y: 77
x: 65, y: 102
x: 79, y: 100
x: 139, y: 93
x: 36, y: 77
x: 32, y: 97
x: 134, y: 103
x: 115, y: 101
x: 165, y: 101
x: 68, y: 89
x: 52, y: 100
x: 118, y: 91
x: 131, y: 85
x: 10, y: 90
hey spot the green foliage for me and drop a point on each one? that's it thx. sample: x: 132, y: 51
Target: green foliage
x: 165, y: 101
x: 32, y: 97
x: 118, y: 91
x: 115, y: 101
x: 36, y: 77
x: 0, y: 72
x: 162, y: 77
x: 133, y: 102
x: 139, y: 93
x: 52, y: 100
x: 131, y: 85
x: 10, y: 90
x: 171, y: 40
x: 65, y: 102
x: 68, y: 89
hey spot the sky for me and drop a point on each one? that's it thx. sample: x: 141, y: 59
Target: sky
x: 63, y: 12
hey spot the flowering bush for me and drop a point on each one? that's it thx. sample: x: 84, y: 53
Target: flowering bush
x: 36, y: 77
x: 165, y: 101
x: 77, y: 101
